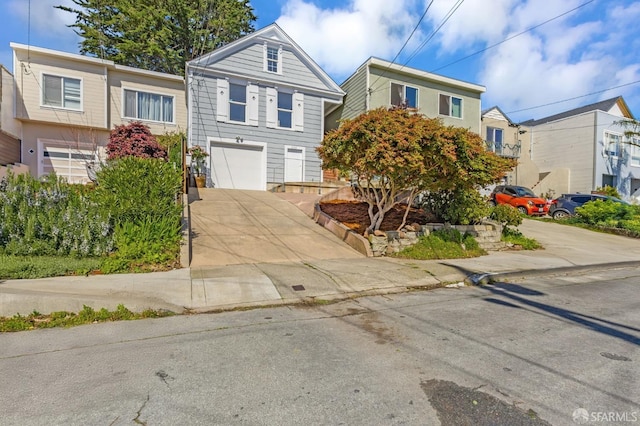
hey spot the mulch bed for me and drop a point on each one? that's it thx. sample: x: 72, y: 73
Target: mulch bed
x: 354, y: 215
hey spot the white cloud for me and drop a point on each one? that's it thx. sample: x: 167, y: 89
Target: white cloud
x: 341, y: 39
x: 45, y: 18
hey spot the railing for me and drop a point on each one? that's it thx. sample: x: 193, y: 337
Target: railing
x: 504, y: 149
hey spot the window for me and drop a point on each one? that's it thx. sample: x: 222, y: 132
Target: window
x: 609, y: 180
x: 61, y: 92
x: 237, y: 102
x: 494, y: 136
x: 635, y: 152
x: 148, y: 106
x: 272, y: 59
x: 404, y: 96
x: 612, y: 144
x: 450, y: 106
x: 285, y: 110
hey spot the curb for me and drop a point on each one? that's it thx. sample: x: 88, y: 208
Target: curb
x: 479, y: 279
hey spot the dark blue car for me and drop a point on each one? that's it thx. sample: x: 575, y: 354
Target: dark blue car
x: 565, y: 205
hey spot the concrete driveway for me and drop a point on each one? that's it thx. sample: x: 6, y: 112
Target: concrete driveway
x: 232, y: 227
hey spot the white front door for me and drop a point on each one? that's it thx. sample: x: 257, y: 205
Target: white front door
x: 238, y: 166
x: 293, y: 164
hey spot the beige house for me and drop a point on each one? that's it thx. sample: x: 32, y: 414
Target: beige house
x: 379, y: 83
x: 68, y: 103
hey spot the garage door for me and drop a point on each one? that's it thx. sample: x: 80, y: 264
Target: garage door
x: 67, y: 161
x: 238, y: 166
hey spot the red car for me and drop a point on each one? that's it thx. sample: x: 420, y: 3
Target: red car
x: 521, y: 198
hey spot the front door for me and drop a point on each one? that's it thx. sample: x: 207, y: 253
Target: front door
x: 293, y: 164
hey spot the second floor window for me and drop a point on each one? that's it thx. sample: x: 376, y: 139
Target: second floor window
x: 237, y: 102
x: 612, y: 144
x: 404, y: 96
x: 635, y: 152
x: 450, y: 106
x: 148, y: 106
x: 285, y: 110
x: 61, y: 92
x: 494, y: 135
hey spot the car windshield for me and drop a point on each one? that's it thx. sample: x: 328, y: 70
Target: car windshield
x: 524, y: 192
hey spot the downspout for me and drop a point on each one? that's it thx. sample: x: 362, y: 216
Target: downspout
x: 595, y: 152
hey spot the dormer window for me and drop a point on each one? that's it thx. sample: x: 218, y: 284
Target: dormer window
x: 273, y: 59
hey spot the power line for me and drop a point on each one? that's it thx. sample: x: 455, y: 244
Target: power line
x: 575, y: 97
x: 514, y: 36
x: 448, y: 16
x: 406, y: 42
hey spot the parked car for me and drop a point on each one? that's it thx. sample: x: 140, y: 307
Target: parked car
x: 521, y: 198
x: 565, y: 205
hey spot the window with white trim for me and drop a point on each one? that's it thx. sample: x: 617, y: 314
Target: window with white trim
x: 285, y: 110
x: 62, y: 92
x: 237, y: 102
x: 612, y: 144
x: 635, y: 152
x: 494, y: 135
x: 273, y: 59
x: 148, y: 106
x: 404, y: 96
x: 450, y: 106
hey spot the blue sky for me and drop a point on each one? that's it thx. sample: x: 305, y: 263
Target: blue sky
x: 585, y: 52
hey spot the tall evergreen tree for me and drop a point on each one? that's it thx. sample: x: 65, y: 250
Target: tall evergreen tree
x: 158, y: 35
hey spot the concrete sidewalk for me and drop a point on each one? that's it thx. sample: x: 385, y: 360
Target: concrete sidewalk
x: 211, y: 288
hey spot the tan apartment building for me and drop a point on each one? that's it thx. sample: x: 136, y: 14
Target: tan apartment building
x: 67, y: 105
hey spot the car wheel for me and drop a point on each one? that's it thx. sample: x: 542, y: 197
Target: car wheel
x: 523, y: 210
x: 491, y: 203
x: 560, y: 214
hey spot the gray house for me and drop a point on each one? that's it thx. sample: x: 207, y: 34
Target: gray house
x: 257, y: 105
x: 591, y: 144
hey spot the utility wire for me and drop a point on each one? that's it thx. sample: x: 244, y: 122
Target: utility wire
x: 406, y: 42
x: 513, y: 36
x: 575, y: 97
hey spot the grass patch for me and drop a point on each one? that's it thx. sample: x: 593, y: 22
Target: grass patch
x: 444, y: 244
x: 515, y: 237
x: 20, y: 267
x: 69, y: 319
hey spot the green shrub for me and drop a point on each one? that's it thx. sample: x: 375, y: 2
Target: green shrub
x: 153, y: 243
x: 133, y: 189
x: 172, y: 143
x: 51, y: 217
x: 514, y: 236
x: 457, y: 207
x: 434, y: 246
x: 506, y: 214
x: 448, y: 234
x: 604, y: 212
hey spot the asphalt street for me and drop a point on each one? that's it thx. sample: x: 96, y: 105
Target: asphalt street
x: 536, y: 351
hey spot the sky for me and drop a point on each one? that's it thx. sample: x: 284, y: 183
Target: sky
x: 533, y: 57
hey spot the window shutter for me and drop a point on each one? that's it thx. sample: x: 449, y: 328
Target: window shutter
x: 222, y: 100
x: 272, y: 107
x: 298, y: 112
x: 253, y: 96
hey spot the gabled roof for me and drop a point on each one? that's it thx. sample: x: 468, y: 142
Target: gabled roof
x: 420, y: 74
x: 271, y: 33
x: 606, y: 106
x: 497, y: 108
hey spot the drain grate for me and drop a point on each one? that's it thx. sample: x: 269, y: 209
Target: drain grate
x: 298, y: 287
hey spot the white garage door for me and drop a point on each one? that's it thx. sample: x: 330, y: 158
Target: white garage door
x: 67, y: 161
x: 238, y: 166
